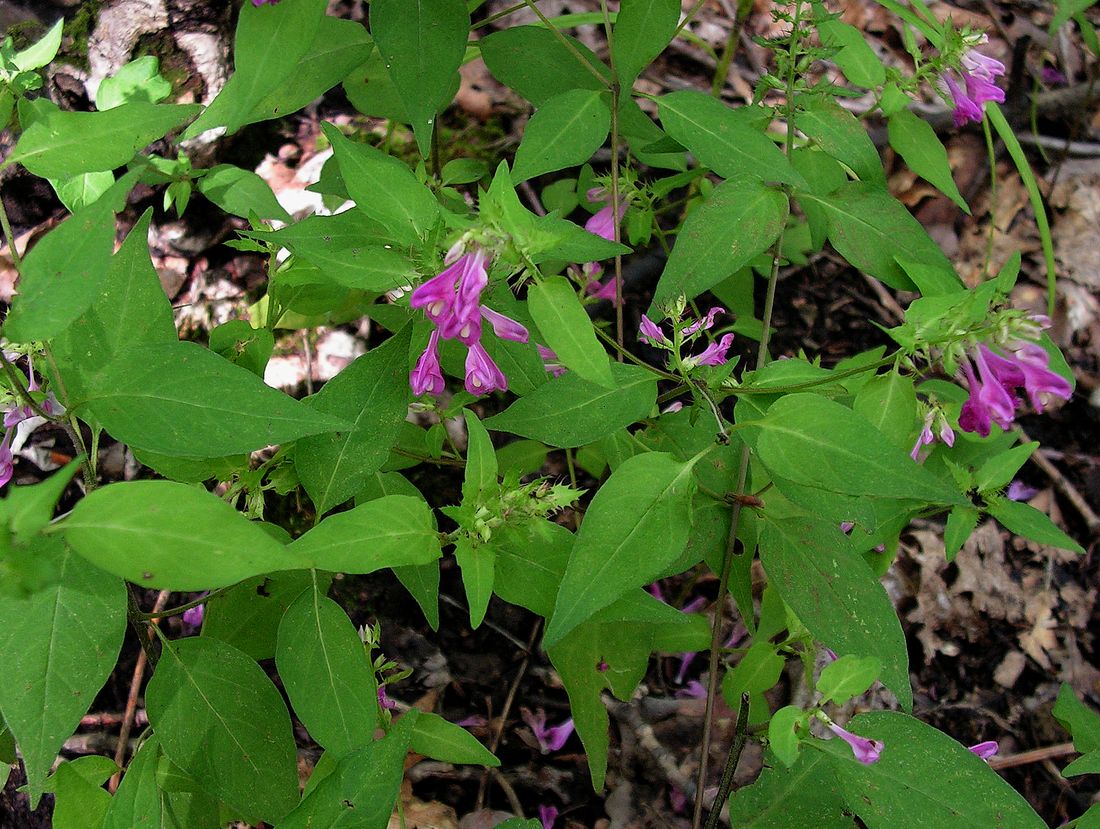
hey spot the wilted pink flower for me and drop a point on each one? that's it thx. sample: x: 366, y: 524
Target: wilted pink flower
x: 705, y: 323
x: 986, y: 749
x: 384, y: 701
x: 427, y: 376
x: 482, y: 374
x: 547, y: 816
x: 1052, y: 77
x: 829, y: 655
x: 550, y: 361
x: 866, y: 750
x: 549, y: 739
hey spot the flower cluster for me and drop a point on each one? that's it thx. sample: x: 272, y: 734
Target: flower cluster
x: 993, y: 399
x: 714, y: 354
x: 935, y: 419
x: 452, y: 300
x: 978, y: 74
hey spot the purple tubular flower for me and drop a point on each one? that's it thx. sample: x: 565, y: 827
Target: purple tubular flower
x: 966, y: 109
x: 693, y: 690
x: 426, y: 376
x: 649, y: 330
x: 384, y: 701
x: 602, y: 290
x: 982, y: 66
x: 437, y: 296
x: 979, y: 73
x: 1033, y: 363
x: 547, y: 816
x: 550, y: 360
x: 482, y: 374
x: 549, y: 739
x: 1019, y: 491
x: 705, y: 323
x: 505, y: 327
x: 7, y: 461
x: 602, y: 223
x: 986, y: 749
x: 867, y: 751
x: 993, y: 398
x: 714, y: 354
x: 464, y: 321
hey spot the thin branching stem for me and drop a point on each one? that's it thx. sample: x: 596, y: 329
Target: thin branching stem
x: 743, y: 467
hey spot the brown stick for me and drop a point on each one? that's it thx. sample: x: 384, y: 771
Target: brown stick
x: 1062, y: 484
x: 1036, y: 755
x: 132, y: 700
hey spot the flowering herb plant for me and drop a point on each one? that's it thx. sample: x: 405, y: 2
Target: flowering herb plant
x: 507, y: 330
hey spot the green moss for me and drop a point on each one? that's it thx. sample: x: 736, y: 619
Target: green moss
x: 77, y: 30
x: 174, y: 64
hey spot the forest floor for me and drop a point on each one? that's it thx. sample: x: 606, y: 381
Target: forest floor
x: 991, y: 635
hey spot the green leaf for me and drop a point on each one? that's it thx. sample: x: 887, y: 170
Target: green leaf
x: 739, y: 220
x: 243, y: 345
x: 28, y: 509
x: 1082, y: 723
x: 478, y: 564
x: 384, y: 189
x: 819, y: 443
x: 642, y: 30
x: 241, y: 193
x: 723, y: 139
x: 757, y: 672
x: 805, y: 795
x: 841, y: 135
x: 60, y: 645
x: 138, y: 80
x: 372, y: 394
x: 270, y: 40
x: 172, y: 536
x: 567, y: 330
x: 783, y: 734
x: 439, y: 739
x: 569, y: 411
x: 835, y: 594
x: 1025, y: 520
x: 823, y: 175
x: 62, y: 274
x: 637, y: 525
x: 422, y: 43
x: 247, y: 616
x: 361, y: 791
x: 221, y: 721
x: 530, y: 561
x: 327, y: 673
x: 532, y: 61
x: 59, y: 144
x: 961, y: 522
x: 480, y: 477
x: 364, y: 267
x: 856, y: 59
x: 81, y: 801
x: 889, y: 403
x: 998, y: 471
x: 564, y: 132
x: 394, y: 531
x: 182, y: 399
x: 917, y: 143
x: 847, y: 677
x: 872, y: 230
x: 338, y: 48
x: 42, y: 51
x: 83, y: 189
x: 924, y: 780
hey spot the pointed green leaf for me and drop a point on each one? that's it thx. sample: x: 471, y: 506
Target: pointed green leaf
x: 327, y: 674
x: 372, y: 394
x: 439, y: 739
x: 422, y: 43
x: 847, y: 677
x: 394, y: 531
x: 758, y: 671
x: 723, y: 139
x: 642, y: 30
x: 637, y: 524
x: 247, y: 616
x: 889, y: 403
x: 221, y: 721
x: 1025, y: 520
x: 533, y: 61
x: 916, y: 142
x: 241, y: 193
x: 856, y: 59
x: 564, y: 132
x: 480, y: 479
x: 841, y: 135
x: 567, y: 330
x: 60, y: 645
x: 739, y: 220
x: 961, y: 522
x: 182, y: 399
x: 478, y: 563
x: 569, y: 411
x: 806, y: 794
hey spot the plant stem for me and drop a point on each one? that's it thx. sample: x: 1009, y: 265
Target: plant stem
x: 16, y: 259
x: 722, y: 71
x: 739, y: 738
x: 616, y: 212
x: 743, y: 468
x: 183, y: 608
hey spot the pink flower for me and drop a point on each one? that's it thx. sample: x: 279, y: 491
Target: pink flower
x: 547, y: 816
x: 867, y: 751
x: 505, y: 327
x: 602, y: 290
x: 993, y: 391
x: 7, y: 460
x: 549, y: 739
x: 693, y: 690
x: 986, y: 749
x: 1019, y: 491
x: 704, y: 324
x: 714, y: 354
x: 978, y: 73
x: 194, y: 615
x: 258, y: 3
x: 650, y: 331
x: 426, y: 376
x: 926, y: 436
x: 482, y: 374
x: 385, y: 702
